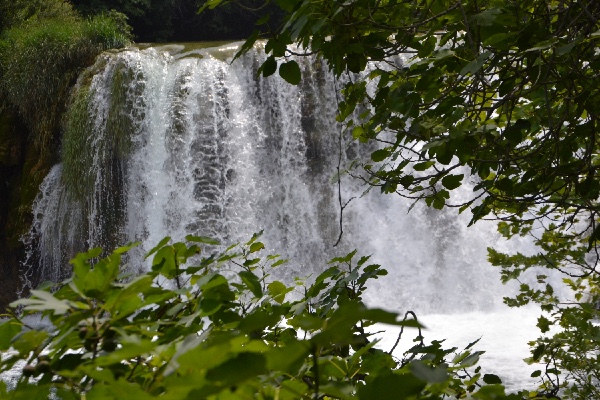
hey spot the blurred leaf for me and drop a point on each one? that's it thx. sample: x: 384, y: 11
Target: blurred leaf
x: 256, y: 246
x: 277, y: 291
x: 252, y: 283
x: 202, y: 239
x: 391, y: 386
x: 8, y: 330
x: 429, y: 374
x: 230, y: 373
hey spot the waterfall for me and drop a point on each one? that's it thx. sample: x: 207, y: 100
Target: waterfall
x: 169, y: 142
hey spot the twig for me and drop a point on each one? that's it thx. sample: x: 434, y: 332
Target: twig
x: 339, y: 175
x: 402, y: 330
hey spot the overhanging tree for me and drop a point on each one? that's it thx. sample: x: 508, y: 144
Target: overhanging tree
x: 502, y: 93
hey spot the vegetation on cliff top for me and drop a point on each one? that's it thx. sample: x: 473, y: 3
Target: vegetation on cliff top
x: 41, y: 54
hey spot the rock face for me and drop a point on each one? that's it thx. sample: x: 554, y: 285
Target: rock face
x: 9, y: 255
x: 21, y: 171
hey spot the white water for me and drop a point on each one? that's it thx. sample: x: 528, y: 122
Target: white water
x: 219, y: 153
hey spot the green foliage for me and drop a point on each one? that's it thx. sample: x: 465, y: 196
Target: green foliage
x: 152, y: 19
x: 17, y: 12
x: 506, y: 90
x: 570, y: 336
x: 220, y: 327
x: 41, y: 55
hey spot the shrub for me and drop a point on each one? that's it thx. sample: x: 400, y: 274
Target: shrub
x: 221, y: 327
x: 41, y: 57
x: 17, y: 12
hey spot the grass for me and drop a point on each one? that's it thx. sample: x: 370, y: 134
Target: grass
x: 40, y: 60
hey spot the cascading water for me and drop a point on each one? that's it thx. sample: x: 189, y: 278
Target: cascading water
x: 172, y: 143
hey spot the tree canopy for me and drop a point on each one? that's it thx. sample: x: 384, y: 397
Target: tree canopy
x: 508, y: 89
x: 501, y: 96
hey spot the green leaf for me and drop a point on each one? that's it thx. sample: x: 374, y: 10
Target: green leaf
x: 260, y: 320
x: 252, y: 283
x: 544, y: 324
x: 288, y: 358
x: 306, y: 322
x: 476, y: 64
x: 338, y: 390
x: 546, y: 44
x: 514, y: 132
x: 248, y: 44
x: 256, y: 246
x: 126, y: 248
x: 8, y: 330
x: 269, y: 67
x: 391, y: 386
x: 358, y: 132
x: 290, y: 71
x: 277, y: 291
x: 441, y: 54
x: 210, y: 4
x: 30, y: 341
x: 438, y: 203
x: 276, y: 46
x: 254, y: 238
x: 165, y: 262
x: 278, y: 263
x: 230, y: 373
x: 297, y: 27
x: 116, y: 389
x: 451, y: 182
x: 594, y: 237
x: 562, y: 50
x: 471, y: 359
x: 43, y: 301
x: 490, y: 392
x: 127, y: 300
x: 423, y: 166
x: 497, y: 38
x: 202, y: 239
x: 160, y: 244
x: 429, y: 374
x: 292, y: 389
x: 128, y: 351
x: 487, y: 17
x: 356, y: 62
x: 263, y: 20
x: 380, y: 155
x: 491, y: 379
